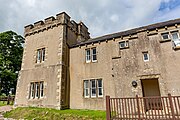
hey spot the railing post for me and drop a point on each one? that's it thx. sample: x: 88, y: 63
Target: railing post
x: 137, y: 100
x: 171, y: 106
x: 8, y: 99
x: 108, y: 116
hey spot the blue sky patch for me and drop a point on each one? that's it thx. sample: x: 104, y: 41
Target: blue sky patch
x: 169, y: 5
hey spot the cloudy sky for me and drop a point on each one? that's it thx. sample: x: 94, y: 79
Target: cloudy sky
x: 101, y: 16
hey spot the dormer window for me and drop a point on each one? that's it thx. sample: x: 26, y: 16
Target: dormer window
x: 123, y: 44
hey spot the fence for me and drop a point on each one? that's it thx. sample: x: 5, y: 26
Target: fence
x: 143, y: 108
x: 7, y: 99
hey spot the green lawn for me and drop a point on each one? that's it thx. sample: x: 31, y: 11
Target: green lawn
x: 3, y: 103
x: 30, y: 113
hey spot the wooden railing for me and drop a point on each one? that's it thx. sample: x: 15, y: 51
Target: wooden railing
x: 7, y: 99
x: 143, y: 108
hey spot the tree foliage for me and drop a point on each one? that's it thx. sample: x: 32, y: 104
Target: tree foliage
x: 11, y: 49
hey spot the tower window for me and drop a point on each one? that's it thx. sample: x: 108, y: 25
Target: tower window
x: 145, y: 56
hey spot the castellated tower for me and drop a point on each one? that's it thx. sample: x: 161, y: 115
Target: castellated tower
x: 44, y: 76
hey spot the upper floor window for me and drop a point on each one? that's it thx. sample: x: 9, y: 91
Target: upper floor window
x: 91, y: 55
x: 175, y: 38
x: 36, y: 90
x: 165, y: 36
x: 123, y: 44
x: 40, y: 55
x: 145, y: 56
x: 93, y: 88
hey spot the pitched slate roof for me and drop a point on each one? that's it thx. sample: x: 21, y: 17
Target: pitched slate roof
x: 128, y: 32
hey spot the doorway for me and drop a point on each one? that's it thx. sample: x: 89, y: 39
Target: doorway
x: 150, y: 88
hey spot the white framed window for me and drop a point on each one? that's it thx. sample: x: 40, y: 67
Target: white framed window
x: 40, y: 55
x: 94, y: 56
x: 165, y: 36
x: 41, y: 89
x: 123, y: 44
x: 100, y: 87
x: 93, y: 88
x: 91, y: 55
x: 175, y: 38
x: 36, y: 90
x: 86, y: 88
x: 145, y: 56
x: 88, y: 55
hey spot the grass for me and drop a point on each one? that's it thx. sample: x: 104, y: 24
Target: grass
x: 3, y: 103
x: 30, y: 113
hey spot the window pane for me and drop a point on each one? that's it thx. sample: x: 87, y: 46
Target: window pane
x: 88, y: 56
x: 37, y: 90
x: 100, y: 92
x: 38, y: 55
x: 175, y: 36
x: 41, y: 89
x: 93, y: 92
x: 43, y: 54
x: 86, y: 88
x: 93, y: 83
x: 32, y: 90
x: 94, y: 57
x: 145, y: 56
x: 165, y: 35
x: 86, y: 84
x: 93, y: 88
x: 94, y: 51
x: 122, y: 44
x: 99, y: 83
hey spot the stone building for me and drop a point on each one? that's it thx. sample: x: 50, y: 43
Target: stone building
x: 63, y: 67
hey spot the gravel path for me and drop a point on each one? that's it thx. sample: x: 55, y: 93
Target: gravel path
x: 4, y: 109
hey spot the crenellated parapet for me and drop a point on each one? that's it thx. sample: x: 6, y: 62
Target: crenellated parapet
x: 61, y: 19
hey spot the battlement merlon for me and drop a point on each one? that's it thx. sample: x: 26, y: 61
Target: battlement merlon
x: 61, y: 19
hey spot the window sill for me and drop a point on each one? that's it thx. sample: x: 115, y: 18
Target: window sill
x: 167, y: 40
x: 94, y: 61
x: 93, y: 97
x: 176, y: 48
x: 124, y: 48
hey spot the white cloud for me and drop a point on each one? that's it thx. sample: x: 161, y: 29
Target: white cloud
x: 101, y: 16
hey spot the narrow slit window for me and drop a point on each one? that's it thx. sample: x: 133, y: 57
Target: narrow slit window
x: 145, y: 56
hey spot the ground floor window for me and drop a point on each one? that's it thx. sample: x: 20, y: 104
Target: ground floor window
x: 93, y: 88
x: 36, y: 90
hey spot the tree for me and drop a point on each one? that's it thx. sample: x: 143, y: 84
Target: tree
x: 11, y: 50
